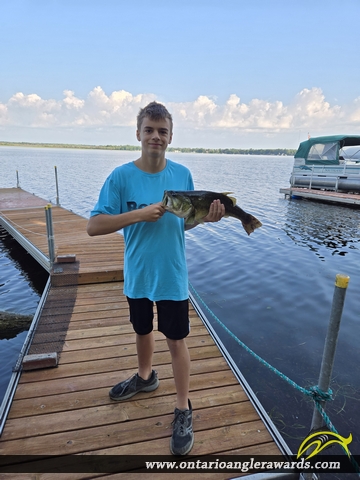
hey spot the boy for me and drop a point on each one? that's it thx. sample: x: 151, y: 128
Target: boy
x: 154, y: 265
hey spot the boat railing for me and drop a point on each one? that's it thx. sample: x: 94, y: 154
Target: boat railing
x: 342, y: 169
x: 345, y: 177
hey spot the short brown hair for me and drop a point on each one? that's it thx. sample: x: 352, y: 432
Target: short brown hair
x: 155, y: 111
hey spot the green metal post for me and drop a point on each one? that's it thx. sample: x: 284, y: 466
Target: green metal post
x: 50, y: 234
x: 57, y: 187
x: 341, y: 284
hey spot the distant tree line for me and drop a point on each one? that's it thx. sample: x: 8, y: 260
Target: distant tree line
x: 70, y: 145
x: 236, y: 151
x: 227, y: 151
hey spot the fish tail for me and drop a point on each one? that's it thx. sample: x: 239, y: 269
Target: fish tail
x: 250, y: 224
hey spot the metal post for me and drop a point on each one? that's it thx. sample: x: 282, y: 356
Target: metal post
x: 50, y: 234
x: 341, y: 284
x: 292, y: 180
x: 17, y: 180
x: 57, y: 187
x: 311, y: 178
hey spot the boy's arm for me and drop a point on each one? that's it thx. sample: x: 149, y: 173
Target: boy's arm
x: 103, y: 224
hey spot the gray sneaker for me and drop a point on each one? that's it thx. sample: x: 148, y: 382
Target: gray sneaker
x: 133, y: 385
x: 182, y: 439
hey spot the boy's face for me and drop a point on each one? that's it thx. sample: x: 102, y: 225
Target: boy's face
x: 155, y: 136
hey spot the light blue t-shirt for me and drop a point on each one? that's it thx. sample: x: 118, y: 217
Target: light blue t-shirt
x: 155, y: 262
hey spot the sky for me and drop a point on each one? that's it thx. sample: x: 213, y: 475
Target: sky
x: 233, y: 73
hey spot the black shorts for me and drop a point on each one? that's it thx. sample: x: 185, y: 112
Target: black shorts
x: 173, y: 317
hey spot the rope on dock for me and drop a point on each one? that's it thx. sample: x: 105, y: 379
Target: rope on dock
x: 313, y: 392
x: 20, y: 227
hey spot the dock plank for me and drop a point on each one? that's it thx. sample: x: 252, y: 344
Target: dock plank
x: 221, y: 383
x: 141, y: 408
x: 81, y: 383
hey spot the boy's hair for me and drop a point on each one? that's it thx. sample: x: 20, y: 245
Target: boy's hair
x: 155, y: 111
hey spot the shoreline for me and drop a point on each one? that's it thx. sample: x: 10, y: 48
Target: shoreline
x: 221, y: 151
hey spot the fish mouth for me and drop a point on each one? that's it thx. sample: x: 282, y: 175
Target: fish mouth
x: 167, y: 201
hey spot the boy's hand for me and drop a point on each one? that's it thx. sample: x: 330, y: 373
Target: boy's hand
x: 216, y: 212
x: 152, y: 213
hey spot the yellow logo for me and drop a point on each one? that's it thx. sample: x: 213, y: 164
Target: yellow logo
x: 321, y: 440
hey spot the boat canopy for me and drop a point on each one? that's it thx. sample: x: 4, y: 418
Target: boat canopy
x: 325, y: 150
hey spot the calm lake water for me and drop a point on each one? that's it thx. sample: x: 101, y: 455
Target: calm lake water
x: 22, y: 282
x: 273, y: 289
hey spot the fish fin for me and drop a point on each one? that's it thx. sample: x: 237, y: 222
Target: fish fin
x: 251, y: 224
x: 233, y: 199
x: 190, y: 219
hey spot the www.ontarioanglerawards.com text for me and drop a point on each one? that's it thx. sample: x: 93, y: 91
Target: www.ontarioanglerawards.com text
x: 250, y: 465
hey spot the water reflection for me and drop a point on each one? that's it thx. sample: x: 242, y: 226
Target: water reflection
x: 317, y: 226
x: 22, y: 281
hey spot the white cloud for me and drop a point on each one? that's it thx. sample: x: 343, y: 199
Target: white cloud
x: 29, y: 110
x: 98, y: 109
x: 309, y: 110
x: 309, y: 106
x: 258, y: 114
x: 71, y: 102
x: 197, y: 114
x: 120, y: 108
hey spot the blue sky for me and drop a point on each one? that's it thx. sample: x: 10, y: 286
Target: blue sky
x: 233, y: 73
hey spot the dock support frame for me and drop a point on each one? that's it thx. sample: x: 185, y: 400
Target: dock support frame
x: 25, y: 243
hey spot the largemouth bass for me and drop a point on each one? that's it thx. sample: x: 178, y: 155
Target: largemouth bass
x: 193, y: 206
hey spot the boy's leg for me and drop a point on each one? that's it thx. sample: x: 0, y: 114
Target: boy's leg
x: 180, y: 358
x: 182, y: 438
x: 173, y: 322
x: 145, y: 345
x: 146, y: 380
x: 141, y: 317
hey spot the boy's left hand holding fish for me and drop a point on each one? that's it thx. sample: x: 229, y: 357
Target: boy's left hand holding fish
x: 216, y: 212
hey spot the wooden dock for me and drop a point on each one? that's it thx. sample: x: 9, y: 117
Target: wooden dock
x: 322, y: 195
x: 67, y: 410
